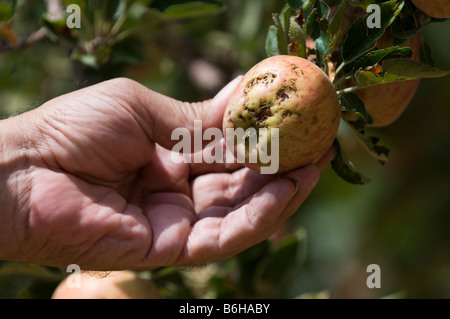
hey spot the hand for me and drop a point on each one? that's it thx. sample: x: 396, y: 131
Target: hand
x: 91, y: 182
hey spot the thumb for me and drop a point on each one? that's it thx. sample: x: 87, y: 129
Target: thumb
x: 164, y: 114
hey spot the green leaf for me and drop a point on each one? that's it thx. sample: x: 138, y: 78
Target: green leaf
x: 360, y: 3
x: 361, y: 39
x: 336, y: 23
x: 317, y: 27
x: 6, y: 11
x: 281, y: 34
x: 405, y: 26
x: 278, y: 40
x: 296, y: 5
x: 137, y: 17
x: 350, y: 102
x: 317, y: 20
x: 54, y: 28
x: 398, y: 70
x: 180, y: 9
x: 285, y: 16
x: 272, y: 42
x: 297, y: 46
x: 370, y: 143
x: 345, y: 169
x: 410, y: 69
x: 283, y: 258
x: 377, y: 56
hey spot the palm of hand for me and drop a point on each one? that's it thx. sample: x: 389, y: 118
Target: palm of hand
x: 103, y: 195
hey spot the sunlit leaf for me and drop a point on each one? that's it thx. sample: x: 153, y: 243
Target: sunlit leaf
x: 272, y: 42
x: 297, y: 46
x: 281, y: 34
x: 345, y: 169
x: 377, y: 56
x: 350, y: 102
x: 398, y: 70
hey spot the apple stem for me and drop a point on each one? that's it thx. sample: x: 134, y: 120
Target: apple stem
x: 348, y: 90
x: 339, y: 68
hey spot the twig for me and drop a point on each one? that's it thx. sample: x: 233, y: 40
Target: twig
x: 34, y: 38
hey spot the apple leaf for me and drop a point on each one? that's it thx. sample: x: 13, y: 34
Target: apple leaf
x: 297, y: 46
x: 281, y: 261
x: 370, y: 143
x: 317, y: 20
x: 350, y: 102
x: 183, y: 9
x: 410, y: 69
x: 360, y: 3
x: 336, y: 24
x: 281, y: 34
x: 277, y: 39
x: 296, y: 5
x: 317, y: 26
x: 398, y: 70
x: 377, y: 56
x: 345, y: 169
x: 361, y: 39
x: 405, y: 26
x: 272, y: 42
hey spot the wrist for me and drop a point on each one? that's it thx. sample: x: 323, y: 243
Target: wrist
x: 13, y: 175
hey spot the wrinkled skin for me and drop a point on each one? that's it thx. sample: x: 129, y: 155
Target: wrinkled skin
x: 88, y: 179
x: 294, y: 95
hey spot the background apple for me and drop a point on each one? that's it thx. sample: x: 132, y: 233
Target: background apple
x: 387, y: 102
x: 434, y: 8
x: 113, y: 285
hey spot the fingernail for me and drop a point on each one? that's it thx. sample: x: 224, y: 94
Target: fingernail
x: 295, y: 185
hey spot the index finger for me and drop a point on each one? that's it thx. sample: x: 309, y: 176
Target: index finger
x: 223, y: 232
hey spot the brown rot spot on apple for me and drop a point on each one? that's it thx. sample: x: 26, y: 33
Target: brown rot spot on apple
x: 315, y: 120
x: 263, y: 115
x: 266, y: 79
x: 286, y: 113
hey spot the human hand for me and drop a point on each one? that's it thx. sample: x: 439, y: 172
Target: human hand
x: 90, y: 181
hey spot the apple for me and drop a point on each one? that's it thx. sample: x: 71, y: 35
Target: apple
x: 434, y: 8
x: 113, y: 285
x: 293, y: 95
x: 387, y: 102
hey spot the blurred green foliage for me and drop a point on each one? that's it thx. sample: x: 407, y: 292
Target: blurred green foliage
x: 189, y: 50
